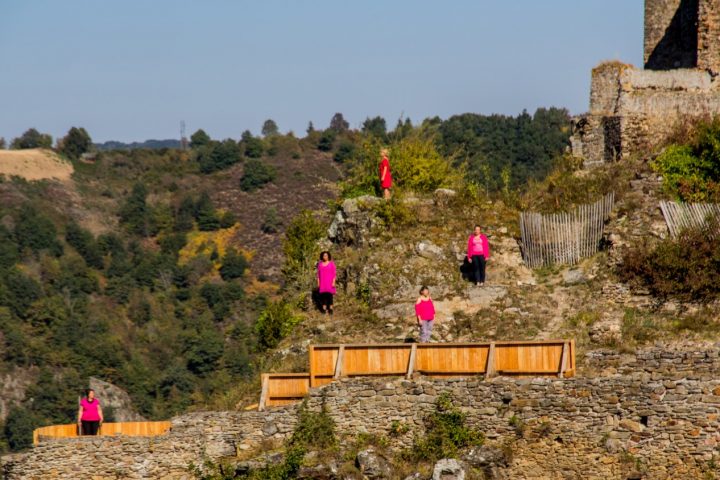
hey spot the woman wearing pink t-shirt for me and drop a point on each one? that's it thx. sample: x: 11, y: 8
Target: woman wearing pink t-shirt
x: 326, y: 274
x: 478, y: 251
x: 90, y: 414
x: 425, y: 313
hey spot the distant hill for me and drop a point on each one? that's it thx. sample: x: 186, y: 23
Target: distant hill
x: 153, y: 144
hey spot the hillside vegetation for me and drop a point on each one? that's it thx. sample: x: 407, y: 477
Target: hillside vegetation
x: 176, y: 275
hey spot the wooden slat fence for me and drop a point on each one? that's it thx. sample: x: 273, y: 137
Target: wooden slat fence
x: 546, y: 358
x: 564, y: 238
x: 681, y: 216
x: 135, y: 429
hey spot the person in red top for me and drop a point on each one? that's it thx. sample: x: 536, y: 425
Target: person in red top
x: 385, y: 174
x: 425, y: 313
x: 478, y: 251
x: 90, y: 414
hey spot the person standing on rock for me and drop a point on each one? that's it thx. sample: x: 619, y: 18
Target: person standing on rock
x: 385, y: 174
x: 478, y: 251
x: 425, y: 313
x: 326, y: 275
x: 90, y: 414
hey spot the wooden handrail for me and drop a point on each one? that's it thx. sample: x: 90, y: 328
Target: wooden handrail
x: 70, y: 430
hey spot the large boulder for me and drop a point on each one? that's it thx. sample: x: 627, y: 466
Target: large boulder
x: 116, y: 400
x: 372, y: 465
x: 448, y: 469
x: 354, y: 220
x: 427, y: 249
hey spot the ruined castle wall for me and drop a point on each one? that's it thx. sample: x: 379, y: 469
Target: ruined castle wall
x: 671, y: 36
x: 709, y: 36
x: 656, y: 411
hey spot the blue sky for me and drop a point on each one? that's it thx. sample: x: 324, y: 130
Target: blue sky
x: 133, y: 69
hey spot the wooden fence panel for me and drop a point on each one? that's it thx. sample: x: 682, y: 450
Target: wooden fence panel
x: 283, y: 389
x: 376, y: 360
x: 529, y: 359
x: 449, y: 360
x: 564, y: 238
x: 147, y: 429
x: 681, y: 216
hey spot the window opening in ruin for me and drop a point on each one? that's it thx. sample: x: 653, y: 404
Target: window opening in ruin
x: 644, y: 420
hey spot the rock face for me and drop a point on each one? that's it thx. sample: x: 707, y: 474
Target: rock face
x: 12, y: 389
x: 429, y: 250
x: 115, y: 399
x: 353, y: 221
x: 372, y: 465
x: 448, y: 469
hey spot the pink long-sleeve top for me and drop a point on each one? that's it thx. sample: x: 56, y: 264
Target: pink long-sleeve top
x: 326, y: 277
x: 478, y: 246
x: 425, y: 309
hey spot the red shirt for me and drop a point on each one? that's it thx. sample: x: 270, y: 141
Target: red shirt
x: 385, y: 165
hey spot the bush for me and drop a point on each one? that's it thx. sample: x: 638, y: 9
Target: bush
x: 218, y: 155
x: 345, y: 152
x: 274, y: 323
x: 415, y: 164
x: 199, y: 139
x: 19, y: 426
x: 256, y: 174
x: 445, y: 433
x: 691, y: 173
x: 326, y: 140
x: 32, y: 139
x: 85, y: 244
x: 252, y: 146
x: 301, y: 248
x: 233, y: 265
x: 271, y: 222
x: 314, y: 430
x: 686, y: 268
x: 36, y: 232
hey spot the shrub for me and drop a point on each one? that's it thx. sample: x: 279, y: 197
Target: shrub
x: 271, y: 222
x: 691, y: 172
x: 251, y: 146
x: 218, y: 155
x: 233, y: 265
x: 256, y: 174
x: 326, y: 140
x: 415, y: 164
x: 314, y: 429
x: 345, y: 152
x: 36, y: 232
x: 686, y: 268
x: 199, y: 139
x: 274, y: 323
x: 446, y: 433
x: 31, y: 138
x: 301, y: 247
x: 19, y: 426
x: 396, y: 213
x: 85, y: 244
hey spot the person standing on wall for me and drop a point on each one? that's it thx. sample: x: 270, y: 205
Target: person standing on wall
x: 385, y: 174
x: 478, y: 251
x: 425, y: 313
x: 326, y: 275
x: 90, y: 415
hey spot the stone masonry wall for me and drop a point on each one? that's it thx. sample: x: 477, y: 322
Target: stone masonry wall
x: 671, y: 37
x: 654, y: 413
x: 709, y: 36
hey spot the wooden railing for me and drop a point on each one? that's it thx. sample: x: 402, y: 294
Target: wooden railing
x: 136, y: 429
x: 546, y: 358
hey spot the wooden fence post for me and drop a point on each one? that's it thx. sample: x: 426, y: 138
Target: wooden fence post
x: 563, y: 360
x: 265, y: 379
x: 339, y: 362
x: 311, y: 357
x: 490, y: 370
x: 411, y: 361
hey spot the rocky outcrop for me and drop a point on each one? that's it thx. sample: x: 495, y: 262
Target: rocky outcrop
x: 354, y: 220
x: 115, y: 400
x: 13, y: 385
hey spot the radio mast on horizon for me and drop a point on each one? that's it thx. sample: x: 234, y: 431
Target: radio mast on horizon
x: 183, y: 137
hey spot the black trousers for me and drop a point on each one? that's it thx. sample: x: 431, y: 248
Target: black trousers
x: 478, y: 262
x: 325, y: 299
x: 89, y: 428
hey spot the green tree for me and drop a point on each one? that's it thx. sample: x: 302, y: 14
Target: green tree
x: 310, y: 128
x: 136, y: 215
x: 32, y: 139
x: 206, y: 215
x: 84, y: 243
x: 269, y: 128
x: 345, y: 152
x: 75, y: 143
x: 251, y: 146
x: 338, y: 123
x: 257, y: 173
x: 233, y: 265
x: 301, y: 248
x: 36, y: 232
x: 184, y: 215
x: 376, y: 127
x: 199, y: 139
x: 327, y: 140
x: 203, y: 350
x: 18, y: 429
x: 274, y: 323
x: 9, y: 254
x: 3, y: 144
x: 271, y: 221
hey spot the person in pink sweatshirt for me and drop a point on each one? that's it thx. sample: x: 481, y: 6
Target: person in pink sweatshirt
x: 478, y: 251
x: 425, y: 313
x: 326, y: 274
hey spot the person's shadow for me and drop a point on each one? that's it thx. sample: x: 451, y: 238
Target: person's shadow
x: 466, y: 270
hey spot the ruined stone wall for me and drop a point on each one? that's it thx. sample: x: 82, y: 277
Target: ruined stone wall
x: 655, y: 412
x: 671, y: 34
x: 709, y: 36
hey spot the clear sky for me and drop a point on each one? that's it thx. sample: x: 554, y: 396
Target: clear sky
x: 133, y: 69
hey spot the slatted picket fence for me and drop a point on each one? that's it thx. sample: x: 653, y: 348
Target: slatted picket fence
x: 545, y: 358
x: 681, y: 216
x: 564, y: 238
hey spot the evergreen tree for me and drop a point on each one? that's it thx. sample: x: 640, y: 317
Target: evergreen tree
x: 233, y: 265
x: 136, y: 214
x: 206, y: 215
x: 269, y: 128
x: 375, y: 127
x: 338, y: 123
x: 199, y: 139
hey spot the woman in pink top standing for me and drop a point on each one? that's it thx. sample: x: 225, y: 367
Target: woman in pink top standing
x: 425, y: 313
x: 478, y: 251
x: 90, y: 414
x: 326, y: 274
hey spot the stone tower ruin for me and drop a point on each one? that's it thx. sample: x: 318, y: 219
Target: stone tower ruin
x: 632, y: 110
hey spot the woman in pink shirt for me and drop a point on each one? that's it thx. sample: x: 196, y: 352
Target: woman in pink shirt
x: 326, y: 282
x: 425, y: 313
x: 478, y: 251
x: 90, y: 414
